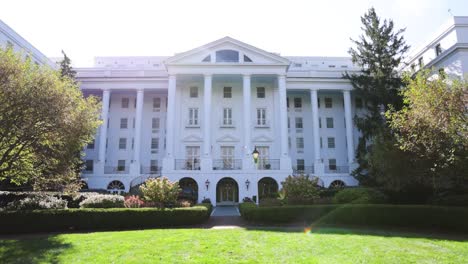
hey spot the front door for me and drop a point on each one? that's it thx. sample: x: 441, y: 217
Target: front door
x: 227, y: 192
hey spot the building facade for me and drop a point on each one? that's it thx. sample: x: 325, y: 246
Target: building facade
x: 198, y: 116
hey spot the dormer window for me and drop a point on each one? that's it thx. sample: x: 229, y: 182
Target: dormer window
x: 227, y: 56
x: 438, y: 49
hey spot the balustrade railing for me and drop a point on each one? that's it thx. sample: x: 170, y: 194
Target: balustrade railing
x: 152, y: 170
x: 187, y: 164
x: 116, y: 170
x: 306, y: 170
x: 227, y: 164
x: 336, y: 169
x: 268, y: 164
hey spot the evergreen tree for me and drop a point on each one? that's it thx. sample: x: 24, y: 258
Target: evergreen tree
x: 66, y: 69
x: 379, y: 52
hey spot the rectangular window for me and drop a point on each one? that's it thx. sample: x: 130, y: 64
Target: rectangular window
x: 193, y: 116
x: 133, y: 122
x: 328, y: 102
x: 438, y: 49
x: 91, y: 144
x: 123, y: 123
x: 227, y: 92
x: 227, y: 116
x: 263, y: 157
x: 287, y: 102
x: 329, y: 122
x: 155, y: 123
x: 260, y: 92
x: 332, y: 164
x: 289, y: 142
x: 227, y: 155
x: 193, y: 158
x: 261, y: 116
x: 318, y: 102
x: 321, y: 142
x: 154, y: 143
x: 193, y: 92
x: 298, y: 102
x: 121, y: 165
x: 125, y: 102
x: 289, y: 121
x: 299, y: 124
x: 300, y: 164
x: 153, y: 165
x: 358, y: 102
x: 331, y: 142
x: 320, y: 122
x: 300, y: 144
x: 122, y: 143
x: 89, y: 165
x: 156, y: 104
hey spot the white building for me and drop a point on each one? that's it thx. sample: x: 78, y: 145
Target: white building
x: 198, y: 116
x: 9, y: 38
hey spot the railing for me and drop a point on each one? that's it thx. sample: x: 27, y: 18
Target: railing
x: 227, y: 122
x: 306, y: 170
x: 141, y: 179
x: 336, y: 169
x: 227, y: 164
x: 268, y: 164
x: 151, y: 170
x: 262, y: 123
x: 187, y: 164
x: 116, y: 170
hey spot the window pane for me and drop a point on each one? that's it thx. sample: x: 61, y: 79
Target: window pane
x: 328, y: 102
x: 227, y: 56
x: 193, y: 92
x: 125, y: 102
x: 227, y: 92
x: 331, y: 142
x: 329, y: 122
x: 260, y: 92
x: 297, y: 102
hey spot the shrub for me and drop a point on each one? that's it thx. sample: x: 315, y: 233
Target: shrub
x: 452, y: 200
x: 300, y: 190
x: 133, y: 201
x: 359, y: 196
x: 100, y: 219
x: 37, y: 202
x: 103, y: 201
x: 366, y: 215
x: 160, y: 191
x: 247, y: 200
x: 270, y: 202
x: 206, y: 201
x: 184, y: 203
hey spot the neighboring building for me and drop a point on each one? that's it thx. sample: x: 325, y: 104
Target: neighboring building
x: 446, y: 50
x: 197, y: 117
x: 9, y: 38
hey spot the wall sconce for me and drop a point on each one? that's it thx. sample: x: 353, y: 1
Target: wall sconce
x: 207, y: 184
x: 255, y: 154
x: 247, y: 184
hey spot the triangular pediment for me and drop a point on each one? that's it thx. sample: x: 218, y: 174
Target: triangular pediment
x: 227, y: 138
x: 192, y: 138
x: 262, y: 138
x: 207, y: 54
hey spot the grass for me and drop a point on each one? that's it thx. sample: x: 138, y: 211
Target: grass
x: 326, y: 245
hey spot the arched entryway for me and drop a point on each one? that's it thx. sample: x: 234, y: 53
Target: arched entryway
x: 267, y: 188
x: 227, y: 192
x: 188, y: 189
x: 116, y: 187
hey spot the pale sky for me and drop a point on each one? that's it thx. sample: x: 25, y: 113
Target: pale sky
x: 89, y: 28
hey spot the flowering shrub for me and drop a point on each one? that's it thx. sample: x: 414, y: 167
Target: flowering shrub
x: 103, y: 201
x: 133, y: 201
x: 184, y: 203
x: 37, y: 202
x: 299, y: 190
x: 160, y: 191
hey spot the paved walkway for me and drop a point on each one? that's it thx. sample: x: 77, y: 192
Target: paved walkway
x: 225, y: 217
x: 225, y: 211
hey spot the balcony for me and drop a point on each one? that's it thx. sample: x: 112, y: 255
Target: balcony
x: 303, y: 170
x: 268, y: 164
x: 151, y: 170
x: 262, y: 123
x: 187, y: 164
x: 116, y: 170
x: 192, y: 123
x: 227, y: 123
x: 227, y: 164
x: 336, y: 169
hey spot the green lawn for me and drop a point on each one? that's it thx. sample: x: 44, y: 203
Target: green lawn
x: 327, y: 245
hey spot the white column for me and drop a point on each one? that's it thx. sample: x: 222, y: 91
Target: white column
x: 315, y: 125
x: 207, y: 117
x: 168, y: 161
x: 170, y: 116
x: 138, y: 121
x: 246, y: 91
x: 349, y: 125
x: 285, y: 159
x: 103, y: 132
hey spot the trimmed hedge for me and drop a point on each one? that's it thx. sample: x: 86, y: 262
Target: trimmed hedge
x: 359, y: 195
x: 100, y: 219
x: 368, y: 215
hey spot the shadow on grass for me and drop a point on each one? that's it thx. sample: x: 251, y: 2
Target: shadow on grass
x: 37, y: 249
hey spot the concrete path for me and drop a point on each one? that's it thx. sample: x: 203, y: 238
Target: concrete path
x: 225, y: 211
x: 225, y: 217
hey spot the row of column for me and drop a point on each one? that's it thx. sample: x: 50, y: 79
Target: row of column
x: 246, y: 121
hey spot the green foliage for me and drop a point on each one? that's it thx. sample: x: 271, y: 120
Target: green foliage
x: 96, y: 219
x: 379, y: 52
x: 43, y: 201
x: 66, y: 69
x: 359, y: 196
x: 270, y: 202
x: 103, y: 201
x: 44, y: 122
x: 300, y: 190
x: 365, y: 215
x: 452, y: 200
x: 432, y: 128
x: 133, y: 201
x: 160, y: 191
